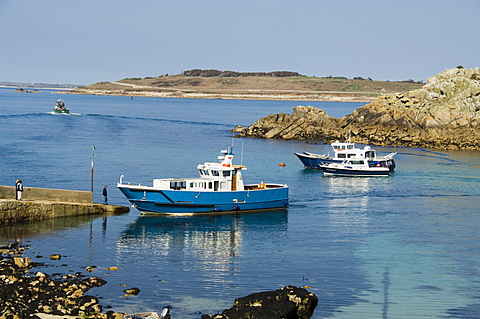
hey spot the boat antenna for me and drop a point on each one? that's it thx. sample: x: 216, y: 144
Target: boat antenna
x: 241, y: 156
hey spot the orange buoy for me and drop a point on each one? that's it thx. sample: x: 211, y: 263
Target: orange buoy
x: 282, y: 164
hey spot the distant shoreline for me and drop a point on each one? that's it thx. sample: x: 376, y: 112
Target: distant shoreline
x: 317, y: 96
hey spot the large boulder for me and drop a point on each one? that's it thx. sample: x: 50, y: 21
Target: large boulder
x: 285, y: 303
x: 444, y: 113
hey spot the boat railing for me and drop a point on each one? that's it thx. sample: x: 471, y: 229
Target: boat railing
x: 390, y: 156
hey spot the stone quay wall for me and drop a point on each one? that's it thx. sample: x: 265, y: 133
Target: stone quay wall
x: 58, y: 195
x: 43, y: 203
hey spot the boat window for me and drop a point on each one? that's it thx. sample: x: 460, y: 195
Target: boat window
x: 200, y: 171
x: 350, y: 147
x: 342, y: 155
x: 178, y: 185
x: 370, y: 154
x: 205, y: 172
x: 192, y: 185
x: 226, y: 173
x: 357, y: 162
x: 215, y: 173
x: 200, y: 185
x: 210, y: 186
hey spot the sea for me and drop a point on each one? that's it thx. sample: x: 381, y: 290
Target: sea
x: 404, y: 246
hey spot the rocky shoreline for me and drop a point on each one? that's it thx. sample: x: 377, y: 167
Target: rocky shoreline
x: 36, y: 295
x: 27, y: 295
x: 444, y: 114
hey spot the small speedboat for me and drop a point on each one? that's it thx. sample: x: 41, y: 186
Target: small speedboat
x: 346, y: 150
x: 218, y: 189
x: 60, y: 107
x: 356, y: 167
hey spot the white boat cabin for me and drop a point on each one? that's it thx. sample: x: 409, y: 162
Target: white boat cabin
x: 344, y: 150
x: 222, y: 176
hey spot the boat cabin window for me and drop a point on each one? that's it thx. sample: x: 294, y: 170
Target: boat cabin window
x: 349, y: 147
x: 210, y: 185
x: 178, y: 185
x: 215, y: 173
x: 226, y: 173
x: 205, y: 172
x: 340, y: 155
x: 200, y: 185
x: 357, y: 162
x: 193, y: 185
x: 370, y: 154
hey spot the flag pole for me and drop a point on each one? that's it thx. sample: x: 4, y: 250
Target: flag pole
x: 92, y: 165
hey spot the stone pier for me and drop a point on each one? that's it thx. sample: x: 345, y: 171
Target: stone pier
x: 45, y: 203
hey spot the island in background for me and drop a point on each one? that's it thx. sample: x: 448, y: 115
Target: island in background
x: 278, y: 85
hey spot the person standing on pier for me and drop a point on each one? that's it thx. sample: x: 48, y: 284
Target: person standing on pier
x: 18, y: 190
x: 105, y: 193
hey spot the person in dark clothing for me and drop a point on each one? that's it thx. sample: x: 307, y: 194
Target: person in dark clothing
x: 18, y: 189
x: 105, y: 194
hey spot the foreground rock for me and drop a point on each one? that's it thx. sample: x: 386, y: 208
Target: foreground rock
x: 23, y: 294
x: 445, y: 113
x: 286, y: 303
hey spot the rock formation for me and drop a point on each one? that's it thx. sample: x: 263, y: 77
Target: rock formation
x: 444, y: 113
x: 285, y: 303
x: 23, y: 294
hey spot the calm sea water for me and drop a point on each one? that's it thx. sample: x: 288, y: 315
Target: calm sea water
x: 407, y: 246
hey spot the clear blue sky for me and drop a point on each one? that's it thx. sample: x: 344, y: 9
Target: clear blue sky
x: 88, y: 41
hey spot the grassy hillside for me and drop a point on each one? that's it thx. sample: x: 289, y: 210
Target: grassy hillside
x: 292, y: 86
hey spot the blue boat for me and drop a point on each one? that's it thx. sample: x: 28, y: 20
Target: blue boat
x: 218, y: 189
x: 346, y: 150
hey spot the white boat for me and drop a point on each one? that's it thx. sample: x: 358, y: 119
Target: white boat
x: 143, y: 315
x: 355, y: 167
x: 165, y: 314
x: 346, y: 150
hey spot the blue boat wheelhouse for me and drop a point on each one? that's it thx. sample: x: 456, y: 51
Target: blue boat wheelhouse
x: 218, y: 189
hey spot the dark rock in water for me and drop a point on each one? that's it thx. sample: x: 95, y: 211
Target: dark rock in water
x: 445, y: 113
x: 285, y: 303
x: 132, y: 291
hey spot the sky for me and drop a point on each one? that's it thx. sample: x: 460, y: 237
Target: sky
x: 89, y: 41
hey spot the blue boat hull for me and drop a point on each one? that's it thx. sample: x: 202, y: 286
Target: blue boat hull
x: 194, y: 202
x: 312, y: 162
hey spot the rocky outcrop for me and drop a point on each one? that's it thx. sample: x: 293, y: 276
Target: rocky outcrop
x: 285, y: 303
x: 445, y: 113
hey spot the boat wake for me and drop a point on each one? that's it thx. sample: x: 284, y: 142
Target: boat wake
x: 66, y: 114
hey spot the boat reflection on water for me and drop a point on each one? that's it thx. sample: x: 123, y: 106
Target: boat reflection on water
x: 210, y: 241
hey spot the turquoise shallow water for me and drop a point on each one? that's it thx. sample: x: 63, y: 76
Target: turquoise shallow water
x: 406, y: 246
